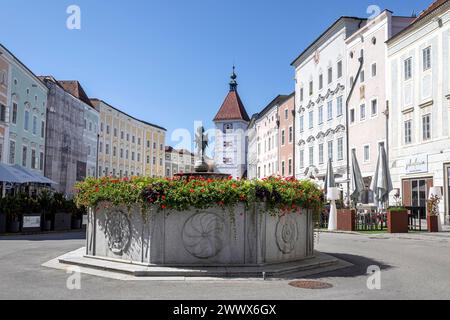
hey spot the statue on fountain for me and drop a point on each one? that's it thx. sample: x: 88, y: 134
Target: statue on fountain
x: 201, y: 139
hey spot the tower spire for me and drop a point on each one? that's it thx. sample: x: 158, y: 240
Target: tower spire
x: 233, y: 82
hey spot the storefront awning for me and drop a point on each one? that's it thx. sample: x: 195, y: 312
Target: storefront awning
x: 20, y: 175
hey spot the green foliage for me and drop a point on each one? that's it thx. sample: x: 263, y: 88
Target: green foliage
x: 286, y: 195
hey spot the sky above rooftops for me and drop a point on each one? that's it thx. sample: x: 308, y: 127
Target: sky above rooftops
x: 168, y: 62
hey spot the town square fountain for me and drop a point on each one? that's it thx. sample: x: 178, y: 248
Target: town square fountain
x: 241, y: 239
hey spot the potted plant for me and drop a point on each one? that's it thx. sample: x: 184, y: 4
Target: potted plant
x: 433, y: 212
x: 397, y: 216
x: 46, y: 203
x: 76, y: 213
x: 12, y: 208
x: 2, y: 216
x: 346, y: 216
x: 61, y: 213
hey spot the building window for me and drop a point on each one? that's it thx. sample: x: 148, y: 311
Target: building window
x: 340, y: 149
x: 320, y: 81
x: 352, y: 116
x: 426, y: 125
x: 374, y: 70
x: 283, y: 170
x: 122, y: 135
x: 302, y: 123
x: 408, y: 132
x: 311, y: 119
x: 227, y: 126
x: 42, y: 129
x: 128, y: 137
x: 374, y: 108
x: 330, y: 75
x: 14, y: 113
x: 101, y: 127
x: 330, y: 150
x: 302, y: 158
x: 320, y: 115
x: 352, y: 80
x: 426, y: 59
x: 41, y: 161
x: 282, y: 137
x: 286, y: 114
x: 339, y: 106
x: 408, y: 68
x: 291, y: 134
x: 311, y: 88
x: 127, y: 154
x: 321, y: 157
x: 2, y: 113
x: 339, y: 69
x: 26, y: 124
x: 115, y: 132
x: 12, y: 152
x: 330, y: 110
x: 366, y: 153
x: 362, y: 113
x: 34, y: 125
x: 311, y: 156
x: 114, y: 151
x: 362, y: 76
x: 33, y: 159
x: 107, y: 148
x: 24, y: 156
x: 290, y: 167
x: 107, y: 129
x: 132, y: 155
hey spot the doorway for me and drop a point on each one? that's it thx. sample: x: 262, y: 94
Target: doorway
x: 415, y: 195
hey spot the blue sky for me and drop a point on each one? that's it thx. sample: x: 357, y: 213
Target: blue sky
x: 169, y: 61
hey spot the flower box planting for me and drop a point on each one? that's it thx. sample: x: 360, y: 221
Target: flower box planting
x: 200, y: 221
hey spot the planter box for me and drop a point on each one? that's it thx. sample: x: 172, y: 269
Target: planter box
x: 14, y: 226
x: 2, y: 223
x: 31, y: 222
x: 76, y: 224
x: 433, y: 223
x: 346, y: 220
x: 398, y: 221
x: 62, y: 221
x: 212, y: 237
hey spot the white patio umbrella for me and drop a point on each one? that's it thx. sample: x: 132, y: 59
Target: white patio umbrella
x: 381, y: 183
x: 357, y: 182
x: 329, y: 177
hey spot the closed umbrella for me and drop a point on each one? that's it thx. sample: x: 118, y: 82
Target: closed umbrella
x: 329, y: 177
x: 381, y: 183
x: 357, y: 182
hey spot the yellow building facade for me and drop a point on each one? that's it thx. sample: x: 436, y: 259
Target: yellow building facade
x: 128, y: 146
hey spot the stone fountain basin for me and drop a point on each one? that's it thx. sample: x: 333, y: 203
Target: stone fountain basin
x: 212, y: 237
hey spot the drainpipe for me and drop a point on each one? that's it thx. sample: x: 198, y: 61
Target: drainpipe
x: 96, y: 160
x: 347, y: 122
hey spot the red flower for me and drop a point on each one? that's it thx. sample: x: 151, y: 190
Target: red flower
x: 97, y: 189
x: 163, y: 206
x: 192, y: 190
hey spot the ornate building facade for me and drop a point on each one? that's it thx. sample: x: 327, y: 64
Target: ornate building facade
x: 322, y: 86
x: 128, y: 146
x: 419, y: 95
x: 24, y: 117
x: 178, y: 161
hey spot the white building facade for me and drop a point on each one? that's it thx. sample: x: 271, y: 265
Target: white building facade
x: 419, y: 95
x: 367, y: 106
x: 322, y: 85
